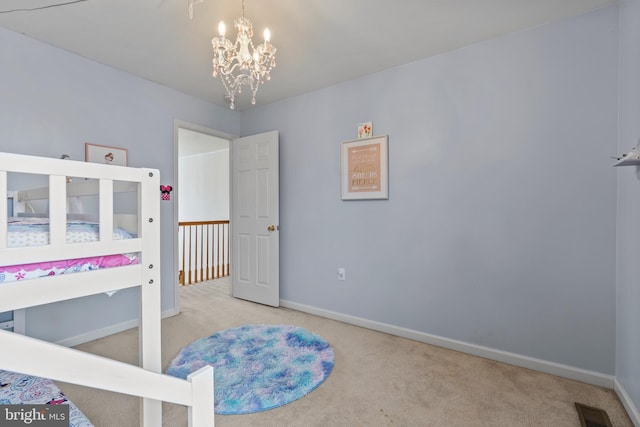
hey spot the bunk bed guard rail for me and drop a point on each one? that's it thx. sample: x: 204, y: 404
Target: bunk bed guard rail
x: 34, y: 357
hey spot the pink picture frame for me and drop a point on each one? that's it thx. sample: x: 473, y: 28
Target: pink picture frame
x: 365, y: 169
x: 104, y: 154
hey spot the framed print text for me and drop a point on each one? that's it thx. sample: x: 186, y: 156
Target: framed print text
x: 106, y: 155
x: 365, y: 169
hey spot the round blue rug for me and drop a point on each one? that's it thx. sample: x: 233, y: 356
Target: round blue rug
x: 258, y: 367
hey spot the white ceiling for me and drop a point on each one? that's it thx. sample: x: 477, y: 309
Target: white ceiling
x: 319, y: 42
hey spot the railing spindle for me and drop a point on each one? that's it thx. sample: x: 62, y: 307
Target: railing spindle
x: 201, y: 228
x: 182, y: 270
x: 207, y: 267
x: 206, y: 252
x: 218, y: 248
x: 228, y: 250
x: 190, y: 238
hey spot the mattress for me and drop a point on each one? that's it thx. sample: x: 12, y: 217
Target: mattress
x: 35, y: 232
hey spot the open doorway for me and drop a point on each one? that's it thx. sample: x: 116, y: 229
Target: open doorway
x: 202, y: 205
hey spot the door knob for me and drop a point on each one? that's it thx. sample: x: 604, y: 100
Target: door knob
x: 271, y: 228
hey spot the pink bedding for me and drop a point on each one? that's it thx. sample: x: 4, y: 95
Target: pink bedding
x: 35, y: 232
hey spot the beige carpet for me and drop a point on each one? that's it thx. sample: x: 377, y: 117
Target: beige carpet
x: 378, y: 379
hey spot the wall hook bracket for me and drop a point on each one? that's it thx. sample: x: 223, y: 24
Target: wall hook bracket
x: 632, y: 158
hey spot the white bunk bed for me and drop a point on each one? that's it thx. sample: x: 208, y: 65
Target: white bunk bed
x: 42, y: 359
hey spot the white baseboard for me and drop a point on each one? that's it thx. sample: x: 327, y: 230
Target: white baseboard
x: 628, y: 404
x: 109, y: 330
x: 565, y: 371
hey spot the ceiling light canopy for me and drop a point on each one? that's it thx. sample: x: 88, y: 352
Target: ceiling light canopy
x: 241, y: 63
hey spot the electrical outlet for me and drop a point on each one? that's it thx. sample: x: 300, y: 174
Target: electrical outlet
x: 342, y: 274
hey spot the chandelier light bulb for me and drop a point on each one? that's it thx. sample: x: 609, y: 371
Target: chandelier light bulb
x: 267, y: 35
x: 222, y: 29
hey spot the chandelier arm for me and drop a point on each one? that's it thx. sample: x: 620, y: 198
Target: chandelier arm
x: 229, y: 71
x: 192, y: 3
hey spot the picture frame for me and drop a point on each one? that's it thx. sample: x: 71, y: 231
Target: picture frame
x: 365, y: 130
x: 365, y: 169
x: 104, y: 154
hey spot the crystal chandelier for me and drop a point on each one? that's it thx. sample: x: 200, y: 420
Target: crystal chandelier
x: 241, y: 63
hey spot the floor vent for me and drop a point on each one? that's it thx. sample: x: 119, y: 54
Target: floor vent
x: 592, y: 417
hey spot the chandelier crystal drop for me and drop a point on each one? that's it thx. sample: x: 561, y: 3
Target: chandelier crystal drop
x: 241, y: 63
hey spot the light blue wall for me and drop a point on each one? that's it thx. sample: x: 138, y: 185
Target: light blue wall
x: 52, y: 102
x: 628, y: 230
x: 500, y: 226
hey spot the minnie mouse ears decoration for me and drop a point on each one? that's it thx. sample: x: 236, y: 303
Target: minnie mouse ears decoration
x: 165, y: 191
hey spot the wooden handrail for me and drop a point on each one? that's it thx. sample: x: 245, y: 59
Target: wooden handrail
x: 205, y: 250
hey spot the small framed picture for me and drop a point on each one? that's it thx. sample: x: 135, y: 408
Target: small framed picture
x: 365, y: 130
x: 365, y: 169
x: 95, y: 153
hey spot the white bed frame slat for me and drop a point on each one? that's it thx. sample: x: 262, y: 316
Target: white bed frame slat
x: 106, y: 210
x: 49, y: 166
x: 32, y: 254
x: 47, y: 360
x: 46, y: 290
x: 95, y: 371
x: 57, y: 210
x: 150, y: 303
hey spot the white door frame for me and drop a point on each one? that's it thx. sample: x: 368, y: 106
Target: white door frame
x: 180, y: 124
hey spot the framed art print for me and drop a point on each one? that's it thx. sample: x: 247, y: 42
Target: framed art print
x: 365, y: 169
x: 365, y: 130
x: 106, y: 155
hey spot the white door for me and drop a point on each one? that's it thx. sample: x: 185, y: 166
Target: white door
x: 255, y: 218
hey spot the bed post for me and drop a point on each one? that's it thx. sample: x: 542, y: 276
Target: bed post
x: 201, y: 411
x: 150, y: 290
